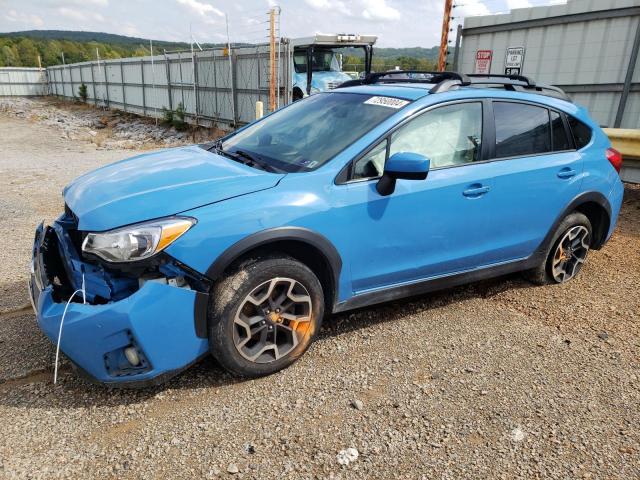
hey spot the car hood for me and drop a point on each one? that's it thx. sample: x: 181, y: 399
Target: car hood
x: 159, y: 184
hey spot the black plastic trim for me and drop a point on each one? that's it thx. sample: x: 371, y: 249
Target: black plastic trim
x: 271, y: 235
x: 580, y: 199
x: 136, y: 384
x: 488, y: 147
x: 200, y: 309
x: 431, y: 285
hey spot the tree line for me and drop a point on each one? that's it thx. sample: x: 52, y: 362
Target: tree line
x: 380, y: 64
x: 24, y: 52
x: 16, y: 51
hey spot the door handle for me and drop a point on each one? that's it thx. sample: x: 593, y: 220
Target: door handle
x: 567, y: 173
x: 475, y: 190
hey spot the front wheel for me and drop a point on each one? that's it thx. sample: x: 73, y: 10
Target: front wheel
x: 568, y: 252
x: 264, y: 315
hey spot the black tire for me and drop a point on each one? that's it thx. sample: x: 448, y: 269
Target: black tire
x: 231, y: 293
x: 542, y: 274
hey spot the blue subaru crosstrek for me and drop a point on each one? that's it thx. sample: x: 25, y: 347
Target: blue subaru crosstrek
x: 393, y: 187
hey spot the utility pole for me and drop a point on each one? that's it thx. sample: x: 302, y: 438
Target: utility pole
x: 272, y: 60
x: 444, y: 40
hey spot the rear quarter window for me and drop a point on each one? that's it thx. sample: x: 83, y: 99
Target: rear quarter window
x: 581, y: 132
x: 521, y: 129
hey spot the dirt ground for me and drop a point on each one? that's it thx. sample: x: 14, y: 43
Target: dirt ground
x: 498, y: 379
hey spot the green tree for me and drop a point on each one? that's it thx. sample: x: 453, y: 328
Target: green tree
x: 27, y: 52
x: 10, y: 57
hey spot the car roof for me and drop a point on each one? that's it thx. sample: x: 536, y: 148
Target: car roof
x: 415, y: 84
x: 416, y: 91
x: 406, y: 91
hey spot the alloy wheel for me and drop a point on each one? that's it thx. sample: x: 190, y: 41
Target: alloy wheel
x: 272, y: 320
x: 570, y: 254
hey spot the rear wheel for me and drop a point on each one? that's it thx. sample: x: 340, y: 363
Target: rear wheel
x: 264, y: 315
x: 568, y: 252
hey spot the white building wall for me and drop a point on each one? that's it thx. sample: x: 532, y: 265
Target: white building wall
x: 588, y: 58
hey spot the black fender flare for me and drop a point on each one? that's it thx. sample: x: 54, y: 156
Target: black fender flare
x: 272, y: 235
x: 258, y: 239
x: 580, y: 199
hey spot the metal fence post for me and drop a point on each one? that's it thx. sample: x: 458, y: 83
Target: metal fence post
x: 106, y: 83
x: 181, y: 81
x: 234, y: 91
x: 195, y: 85
x: 93, y: 86
x: 168, y: 64
x: 73, y: 91
x: 258, y: 73
x: 215, y: 85
x: 81, y: 79
x: 144, y: 97
x: 628, y: 79
x: 124, y: 95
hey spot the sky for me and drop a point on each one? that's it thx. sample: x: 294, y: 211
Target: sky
x: 397, y: 23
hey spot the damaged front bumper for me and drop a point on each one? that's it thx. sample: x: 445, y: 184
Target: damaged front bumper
x: 129, y: 332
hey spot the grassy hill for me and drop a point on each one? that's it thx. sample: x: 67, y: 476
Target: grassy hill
x: 23, y: 48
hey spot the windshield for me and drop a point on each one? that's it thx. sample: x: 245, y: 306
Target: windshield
x: 323, y: 61
x: 309, y: 133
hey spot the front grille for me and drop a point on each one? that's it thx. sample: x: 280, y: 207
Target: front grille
x: 332, y: 85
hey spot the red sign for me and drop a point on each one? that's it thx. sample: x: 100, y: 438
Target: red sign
x: 483, y: 62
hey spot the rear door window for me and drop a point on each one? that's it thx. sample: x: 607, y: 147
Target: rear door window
x: 521, y: 129
x: 559, y: 133
x: 581, y: 132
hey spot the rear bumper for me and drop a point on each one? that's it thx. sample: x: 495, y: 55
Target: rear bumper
x: 615, y: 201
x: 157, y: 321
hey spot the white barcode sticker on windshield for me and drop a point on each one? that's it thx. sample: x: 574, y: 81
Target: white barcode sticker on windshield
x: 387, y: 102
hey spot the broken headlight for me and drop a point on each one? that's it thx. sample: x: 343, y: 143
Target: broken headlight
x: 136, y: 242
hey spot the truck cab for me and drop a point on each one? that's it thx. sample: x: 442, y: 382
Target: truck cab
x: 316, y: 63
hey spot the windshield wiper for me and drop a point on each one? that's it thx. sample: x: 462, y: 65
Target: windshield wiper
x: 217, y: 146
x: 254, y: 161
x: 245, y: 158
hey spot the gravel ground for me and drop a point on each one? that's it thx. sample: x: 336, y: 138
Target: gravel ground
x: 498, y: 379
x: 106, y: 129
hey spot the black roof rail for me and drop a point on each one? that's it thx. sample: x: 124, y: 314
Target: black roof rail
x: 403, y: 76
x: 501, y: 78
x: 510, y: 82
x: 445, y: 81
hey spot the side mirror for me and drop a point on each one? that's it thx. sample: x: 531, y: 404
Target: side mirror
x: 405, y: 166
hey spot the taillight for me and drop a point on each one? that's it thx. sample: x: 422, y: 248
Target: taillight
x: 615, y: 158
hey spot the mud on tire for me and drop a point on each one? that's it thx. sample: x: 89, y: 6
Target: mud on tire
x: 264, y: 315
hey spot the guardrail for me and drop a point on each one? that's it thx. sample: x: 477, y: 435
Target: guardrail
x: 627, y: 142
